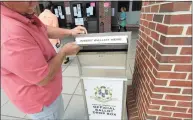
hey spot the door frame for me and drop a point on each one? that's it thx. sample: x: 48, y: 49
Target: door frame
x: 84, y: 4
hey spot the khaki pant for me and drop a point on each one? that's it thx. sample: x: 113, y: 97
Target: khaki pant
x: 55, y: 111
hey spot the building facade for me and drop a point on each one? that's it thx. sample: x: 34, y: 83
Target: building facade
x: 98, y: 16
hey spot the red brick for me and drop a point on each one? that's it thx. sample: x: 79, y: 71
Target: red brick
x: 150, y: 117
x: 133, y: 114
x: 164, y: 50
x: 149, y: 17
x: 176, y: 40
x: 142, y: 28
x: 146, y: 99
x: 160, y: 67
x: 186, y: 51
x: 141, y: 16
x: 145, y: 3
x: 190, y: 111
x: 145, y: 43
x: 174, y: 109
x: 155, y: 72
x: 135, y: 118
x: 181, y: 83
x: 178, y: 97
x: 151, y: 76
x: 158, y: 18
x: 143, y: 35
x: 143, y: 55
x: 141, y: 21
x: 145, y: 23
x: 184, y: 104
x: 147, y: 9
x: 171, y: 75
x: 163, y: 102
x: 175, y: 6
x: 158, y: 96
x: 174, y: 30
x: 146, y: 53
x: 178, y: 19
x: 162, y: 113
x: 151, y: 50
x: 149, y: 89
x: 189, y: 31
x: 155, y: 8
x: 149, y: 40
x: 167, y: 90
x: 155, y: 35
x: 162, y: 28
x: 182, y: 115
x: 173, y: 59
x: 154, y: 107
x: 154, y: 62
x: 187, y: 91
x: 142, y: 9
x: 140, y: 40
x: 152, y: 86
x: 167, y: 118
x: 183, y: 68
x: 166, y: 7
x: 190, y: 76
x: 152, y: 25
x: 182, y: 6
x: 161, y: 82
x: 147, y: 31
x: 144, y: 16
x: 133, y: 110
x: 164, y: 68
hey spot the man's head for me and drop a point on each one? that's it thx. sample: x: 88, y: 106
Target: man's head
x: 25, y: 7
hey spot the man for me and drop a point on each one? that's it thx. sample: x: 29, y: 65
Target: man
x: 31, y: 74
x: 48, y: 18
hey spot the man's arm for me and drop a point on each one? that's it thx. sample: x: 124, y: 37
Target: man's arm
x: 54, y: 66
x: 56, y: 62
x: 35, y: 70
x: 55, y: 33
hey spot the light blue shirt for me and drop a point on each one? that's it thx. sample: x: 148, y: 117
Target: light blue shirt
x: 123, y: 19
x: 123, y: 16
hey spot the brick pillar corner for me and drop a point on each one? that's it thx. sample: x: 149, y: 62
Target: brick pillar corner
x: 162, y: 79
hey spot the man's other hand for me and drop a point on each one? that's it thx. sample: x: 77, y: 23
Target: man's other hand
x: 70, y: 49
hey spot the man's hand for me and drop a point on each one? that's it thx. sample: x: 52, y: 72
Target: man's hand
x: 70, y: 49
x: 58, y: 41
x: 60, y: 33
x: 78, y: 30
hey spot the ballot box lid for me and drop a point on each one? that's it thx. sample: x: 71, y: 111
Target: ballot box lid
x: 97, y: 42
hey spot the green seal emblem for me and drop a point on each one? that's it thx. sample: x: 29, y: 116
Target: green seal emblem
x: 103, y: 94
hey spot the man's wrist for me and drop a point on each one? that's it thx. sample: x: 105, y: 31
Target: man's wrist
x: 70, y: 33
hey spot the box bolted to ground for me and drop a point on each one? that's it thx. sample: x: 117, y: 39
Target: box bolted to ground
x: 103, y: 68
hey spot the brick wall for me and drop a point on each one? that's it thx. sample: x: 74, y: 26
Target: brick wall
x: 162, y: 79
x: 104, y: 17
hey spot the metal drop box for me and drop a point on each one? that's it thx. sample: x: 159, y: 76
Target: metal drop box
x: 103, y: 68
